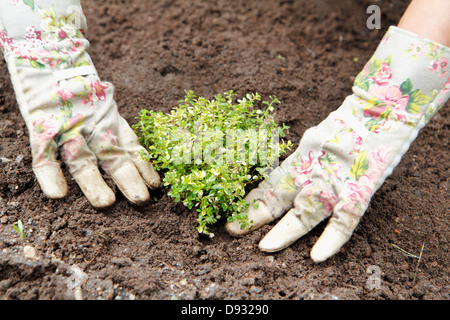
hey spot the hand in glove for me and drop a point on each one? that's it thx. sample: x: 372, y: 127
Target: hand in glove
x: 65, y: 105
x: 340, y: 163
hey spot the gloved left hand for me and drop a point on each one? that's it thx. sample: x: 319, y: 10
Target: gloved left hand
x: 66, y: 106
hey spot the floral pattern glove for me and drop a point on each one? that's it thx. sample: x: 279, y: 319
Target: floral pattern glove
x: 65, y: 105
x: 340, y: 163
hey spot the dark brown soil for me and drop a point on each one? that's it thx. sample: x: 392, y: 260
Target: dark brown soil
x: 304, y: 52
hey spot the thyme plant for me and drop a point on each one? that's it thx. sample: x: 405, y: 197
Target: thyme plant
x: 209, y: 151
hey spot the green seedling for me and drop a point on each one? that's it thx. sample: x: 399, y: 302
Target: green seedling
x: 19, y: 228
x: 210, y: 151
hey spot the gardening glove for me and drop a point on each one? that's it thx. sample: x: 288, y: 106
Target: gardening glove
x: 65, y: 105
x: 340, y: 163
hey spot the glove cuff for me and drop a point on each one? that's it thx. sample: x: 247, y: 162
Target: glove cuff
x: 407, y: 79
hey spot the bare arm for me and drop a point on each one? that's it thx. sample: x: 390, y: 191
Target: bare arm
x: 429, y: 19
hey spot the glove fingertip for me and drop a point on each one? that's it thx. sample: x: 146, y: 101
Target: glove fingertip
x: 148, y: 173
x: 91, y: 183
x: 328, y: 244
x: 130, y: 183
x: 52, y: 181
x: 288, y: 230
x: 259, y: 216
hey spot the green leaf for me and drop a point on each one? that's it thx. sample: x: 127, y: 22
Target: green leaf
x: 37, y: 65
x: 416, y: 101
x: 364, y: 85
x: 406, y: 87
x: 361, y: 81
x: 374, y: 66
x: 81, y: 62
x: 19, y: 61
x: 29, y: 3
x: 287, y: 183
x: 388, y: 60
x: 360, y: 166
x: 19, y: 228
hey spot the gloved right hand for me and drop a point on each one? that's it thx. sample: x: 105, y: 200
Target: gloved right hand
x: 341, y: 163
